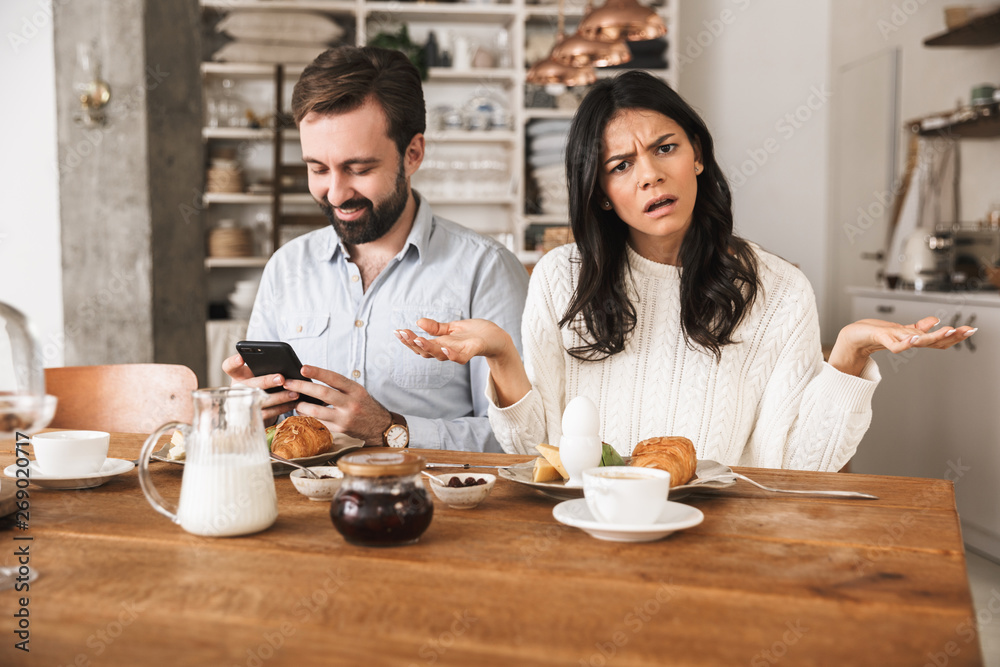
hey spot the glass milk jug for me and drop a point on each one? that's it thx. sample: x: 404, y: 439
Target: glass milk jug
x: 24, y: 406
x: 228, y: 487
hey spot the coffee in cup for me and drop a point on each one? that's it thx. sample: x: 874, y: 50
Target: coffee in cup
x: 70, y: 453
x: 623, y: 495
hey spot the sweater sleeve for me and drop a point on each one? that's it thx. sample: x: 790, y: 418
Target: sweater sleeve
x: 811, y: 416
x: 537, y: 416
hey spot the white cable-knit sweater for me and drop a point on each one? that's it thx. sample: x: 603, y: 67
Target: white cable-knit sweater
x: 771, y: 401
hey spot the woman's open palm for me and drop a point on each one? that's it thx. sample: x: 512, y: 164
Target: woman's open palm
x: 457, y: 341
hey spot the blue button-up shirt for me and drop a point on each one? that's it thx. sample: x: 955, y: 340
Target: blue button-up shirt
x: 311, y: 297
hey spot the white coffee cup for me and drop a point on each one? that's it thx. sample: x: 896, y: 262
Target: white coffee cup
x: 623, y: 495
x: 69, y: 453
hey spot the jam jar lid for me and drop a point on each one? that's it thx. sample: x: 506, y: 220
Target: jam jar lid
x: 381, y: 464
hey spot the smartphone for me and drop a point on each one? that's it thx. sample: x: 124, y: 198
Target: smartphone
x: 268, y: 357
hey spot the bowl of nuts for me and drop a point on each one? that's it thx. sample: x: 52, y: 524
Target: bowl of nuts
x: 322, y: 487
x: 463, y: 491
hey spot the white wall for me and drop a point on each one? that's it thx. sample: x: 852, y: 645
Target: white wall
x: 30, y: 257
x: 759, y: 75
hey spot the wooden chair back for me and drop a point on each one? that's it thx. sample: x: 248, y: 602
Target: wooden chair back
x: 121, y: 398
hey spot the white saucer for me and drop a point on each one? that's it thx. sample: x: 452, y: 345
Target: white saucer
x: 111, y: 468
x: 675, y: 516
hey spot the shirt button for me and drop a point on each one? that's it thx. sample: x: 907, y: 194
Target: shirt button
x: 355, y: 279
x: 359, y: 323
x: 356, y: 374
x: 298, y: 329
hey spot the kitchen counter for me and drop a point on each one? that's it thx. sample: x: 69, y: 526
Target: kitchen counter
x: 990, y: 298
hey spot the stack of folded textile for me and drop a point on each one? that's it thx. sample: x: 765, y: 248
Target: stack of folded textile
x: 276, y: 37
x: 647, y: 54
x: 546, y: 161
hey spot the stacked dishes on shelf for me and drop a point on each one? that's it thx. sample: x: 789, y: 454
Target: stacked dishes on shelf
x: 224, y: 175
x: 242, y: 297
x: 546, y: 160
x: 229, y: 240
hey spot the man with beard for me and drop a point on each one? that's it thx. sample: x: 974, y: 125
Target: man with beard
x: 338, y: 295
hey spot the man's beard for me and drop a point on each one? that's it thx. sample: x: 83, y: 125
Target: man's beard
x: 379, y: 219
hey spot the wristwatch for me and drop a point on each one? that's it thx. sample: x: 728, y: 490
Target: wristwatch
x: 398, y: 434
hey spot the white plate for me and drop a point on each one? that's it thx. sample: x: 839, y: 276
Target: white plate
x: 675, y: 516
x: 342, y: 444
x: 706, y: 470
x: 111, y: 468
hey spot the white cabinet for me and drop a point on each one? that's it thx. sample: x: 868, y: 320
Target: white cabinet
x: 936, y: 412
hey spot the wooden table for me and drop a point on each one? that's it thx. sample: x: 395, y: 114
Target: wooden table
x: 765, y: 580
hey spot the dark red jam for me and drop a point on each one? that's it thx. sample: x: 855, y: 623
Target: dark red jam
x: 379, y: 519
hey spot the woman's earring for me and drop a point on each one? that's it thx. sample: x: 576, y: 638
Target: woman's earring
x: 606, y: 204
x: 697, y: 169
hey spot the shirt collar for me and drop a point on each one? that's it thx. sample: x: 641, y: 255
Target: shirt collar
x: 420, y: 233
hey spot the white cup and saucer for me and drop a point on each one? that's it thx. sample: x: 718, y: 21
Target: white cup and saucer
x: 69, y: 460
x: 626, y: 504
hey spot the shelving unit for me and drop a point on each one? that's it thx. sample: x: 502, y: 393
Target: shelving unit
x: 981, y: 123
x: 981, y: 31
x: 269, y: 153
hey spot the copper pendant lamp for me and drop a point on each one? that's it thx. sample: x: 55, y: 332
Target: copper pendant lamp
x: 578, y: 51
x: 622, y: 19
x: 549, y: 71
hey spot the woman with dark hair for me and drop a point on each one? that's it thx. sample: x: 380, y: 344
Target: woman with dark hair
x: 664, y: 318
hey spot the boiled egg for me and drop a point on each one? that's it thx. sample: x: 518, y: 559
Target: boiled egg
x: 581, y: 418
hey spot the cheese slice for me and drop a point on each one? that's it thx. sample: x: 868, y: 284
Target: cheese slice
x: 177, y: 451
x: 551, y: 455
x: 544, y: 471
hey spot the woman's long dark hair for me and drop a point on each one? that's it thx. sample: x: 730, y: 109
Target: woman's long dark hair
x: 719, y: 270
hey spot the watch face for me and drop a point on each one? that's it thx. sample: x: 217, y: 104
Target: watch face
x: 397, y: 436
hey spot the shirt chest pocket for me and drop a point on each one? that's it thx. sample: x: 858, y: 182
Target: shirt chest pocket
x: 409, y: 370
x: 307, y: 334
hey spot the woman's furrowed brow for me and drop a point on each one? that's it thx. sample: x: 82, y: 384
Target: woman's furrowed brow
x: 651, y: 146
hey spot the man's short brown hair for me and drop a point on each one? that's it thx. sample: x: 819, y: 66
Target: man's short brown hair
x: 342, y: 79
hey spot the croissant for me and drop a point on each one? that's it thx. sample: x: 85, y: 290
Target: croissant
x: 298, y: 437
x: 676, y: 455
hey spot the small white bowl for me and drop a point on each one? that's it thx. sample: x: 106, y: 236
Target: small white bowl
x: 463, y: 497
x: 318, y: 489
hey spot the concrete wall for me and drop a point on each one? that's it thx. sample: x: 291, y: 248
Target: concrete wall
x: 133, y: 276
x: 30, y: 255
x: 759, y: 74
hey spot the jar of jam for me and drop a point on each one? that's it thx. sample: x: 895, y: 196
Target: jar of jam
x: 381, y: 502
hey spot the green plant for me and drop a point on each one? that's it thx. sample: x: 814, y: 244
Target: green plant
x: 401, y: 42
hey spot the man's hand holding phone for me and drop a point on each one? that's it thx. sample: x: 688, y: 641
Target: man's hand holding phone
x: 343, y: 405
x: 275, y: 404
